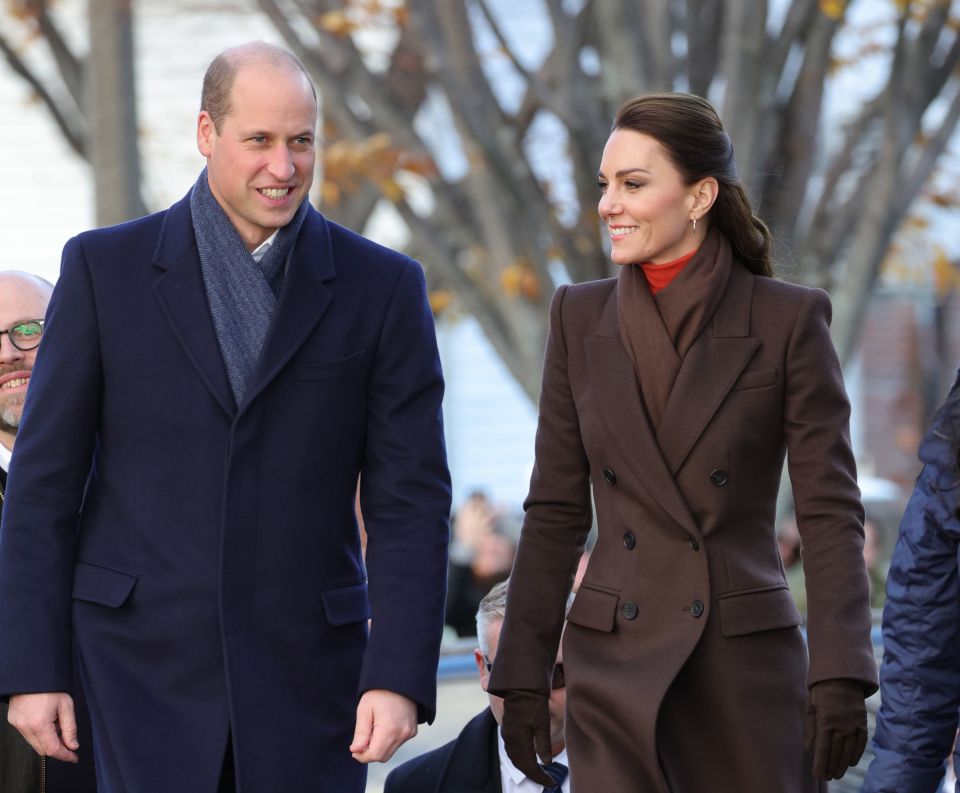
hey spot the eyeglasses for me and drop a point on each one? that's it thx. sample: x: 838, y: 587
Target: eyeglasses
x: 25, y: 335
x: 557, y: 681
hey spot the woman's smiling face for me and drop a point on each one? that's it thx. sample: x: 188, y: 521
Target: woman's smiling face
x: 645, y: 204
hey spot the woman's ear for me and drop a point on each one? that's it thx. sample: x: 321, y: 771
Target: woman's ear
x: 704, y: 193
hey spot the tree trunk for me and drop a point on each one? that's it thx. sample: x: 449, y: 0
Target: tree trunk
x: 114, y: 150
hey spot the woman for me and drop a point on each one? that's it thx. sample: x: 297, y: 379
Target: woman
x: 674, y: 391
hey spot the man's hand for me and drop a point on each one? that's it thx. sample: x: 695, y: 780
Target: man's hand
x: 835, y: 726
x: 385, y: 721
x: 525, y: 728
x: 47, y: 722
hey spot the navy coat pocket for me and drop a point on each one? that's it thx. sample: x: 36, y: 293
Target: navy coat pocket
x: 594, y: 608
x: 755, y: 610
x: 346, y: 605
x: 103, y: 585
x: 329, y: 370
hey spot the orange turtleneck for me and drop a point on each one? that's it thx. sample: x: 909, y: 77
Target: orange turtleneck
x: 659, y: 276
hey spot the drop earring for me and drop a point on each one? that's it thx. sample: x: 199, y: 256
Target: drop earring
x: 694, y: 221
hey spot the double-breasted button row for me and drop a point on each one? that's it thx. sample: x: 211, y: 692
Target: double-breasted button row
x: 719, y: 477
x: 610, y: 476
x: 629, y: 610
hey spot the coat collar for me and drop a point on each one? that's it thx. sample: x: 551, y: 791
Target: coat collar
x: 708, y: 372
x: 710, y: 368
x: 303, y: 300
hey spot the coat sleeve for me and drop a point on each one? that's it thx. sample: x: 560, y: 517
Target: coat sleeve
x: 405, y: 499
x: 557, y: 519
x: 827, y: 501
x: 920, y: 676
x: 51, y: 464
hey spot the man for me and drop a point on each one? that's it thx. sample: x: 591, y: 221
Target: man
x: 476, y: 760
x: 920, y: 676
x: 213, y: 380
x: 23, y: 303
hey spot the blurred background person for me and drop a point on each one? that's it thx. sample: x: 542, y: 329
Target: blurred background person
x: 23, y: 305
x: 476, y: 760
x: 481, y: 555
x: 920, y: 675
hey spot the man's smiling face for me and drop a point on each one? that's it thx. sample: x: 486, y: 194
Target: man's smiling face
x: 22, y: 299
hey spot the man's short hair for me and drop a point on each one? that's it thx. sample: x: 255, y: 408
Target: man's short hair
x: 493, y: 608
x: 222, y: 71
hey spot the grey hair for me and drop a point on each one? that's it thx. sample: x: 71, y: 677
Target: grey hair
x: 222, y: 71
x: 493, y: 608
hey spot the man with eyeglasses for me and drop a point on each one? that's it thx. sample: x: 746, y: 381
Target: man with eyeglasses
x: 23, y: 301
x: 476, y: 759
x: 23, y: 304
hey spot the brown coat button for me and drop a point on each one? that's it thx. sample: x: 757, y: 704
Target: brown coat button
x: 629, y: 541
x: 718, y: 477
x: 697, y: 608
x: 630, y: 610
x: 694, y: 542
x: 610, y: 476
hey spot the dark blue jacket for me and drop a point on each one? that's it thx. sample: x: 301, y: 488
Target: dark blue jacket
x: 920, y: 676
x: 207, y: 558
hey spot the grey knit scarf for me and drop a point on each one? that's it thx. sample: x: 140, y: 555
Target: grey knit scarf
x: 241, y: 292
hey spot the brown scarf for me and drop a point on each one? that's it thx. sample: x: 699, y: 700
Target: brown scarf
x: 658, y: 330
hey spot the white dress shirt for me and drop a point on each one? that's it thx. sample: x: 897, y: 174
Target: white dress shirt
x: 513, y: 780
x: 5, y: 454
x: 261, y: 249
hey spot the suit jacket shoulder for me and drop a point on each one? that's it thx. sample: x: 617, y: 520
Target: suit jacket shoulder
x: 470, y: 763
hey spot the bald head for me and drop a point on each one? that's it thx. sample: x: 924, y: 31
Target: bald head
x: 23, y: 301
x: 223, y: 70
x: 21, y: 280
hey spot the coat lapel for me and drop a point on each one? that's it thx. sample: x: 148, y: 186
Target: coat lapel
x: 304, y: 299
x: 612, y: 376
x: 710, y: 368
x: 183, y: 299
x: 473, y: 765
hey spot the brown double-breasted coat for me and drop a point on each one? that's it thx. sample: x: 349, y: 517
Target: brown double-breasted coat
x: 686, y: 669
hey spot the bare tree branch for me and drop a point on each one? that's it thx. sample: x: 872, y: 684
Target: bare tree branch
x: 68, y: 65
x: 66, y: 120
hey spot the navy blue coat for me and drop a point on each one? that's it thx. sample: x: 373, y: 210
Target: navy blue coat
x: 470, y: 763
x: 920, y: 675
x: 206, y: 558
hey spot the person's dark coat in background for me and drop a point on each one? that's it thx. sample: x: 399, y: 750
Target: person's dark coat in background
x: 470, y: 763
x: 20, y: 765
x: 920, y: 675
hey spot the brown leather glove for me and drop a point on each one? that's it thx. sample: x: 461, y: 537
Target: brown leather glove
x: 835, y: 726
x: 525, y: 727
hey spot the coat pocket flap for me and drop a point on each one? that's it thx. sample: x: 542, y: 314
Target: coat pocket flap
x: 757, y: 378
x: 102, y: 585
x: 594, y: 608
x: 760, y: 610
x: 328, y: 370
x: 346, y: 605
